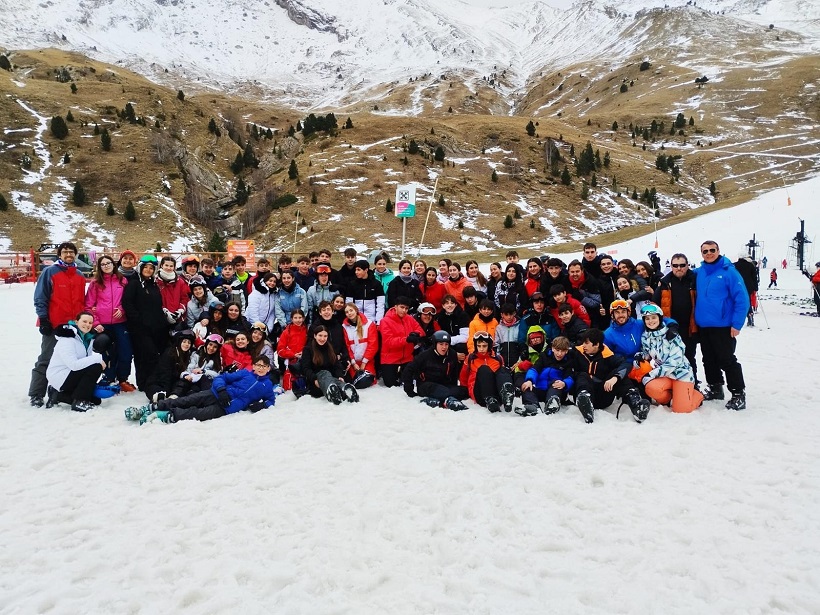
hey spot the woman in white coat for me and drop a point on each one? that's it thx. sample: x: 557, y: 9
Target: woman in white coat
x: 76, y: 364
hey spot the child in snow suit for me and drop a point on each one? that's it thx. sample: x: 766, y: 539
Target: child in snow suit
x: 549, y: 380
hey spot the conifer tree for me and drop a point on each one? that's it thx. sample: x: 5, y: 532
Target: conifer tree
x: 129, y: 113
x: 78, y: 196
x: 130, y: 212
x: 109, y: 211
x: 530, y: 129
x: 293, y: 170
x: 606, y: 160
x: 712, y: 189
x: 73, y: 88
x: 238, y: 163
x: 413, y: 147
x: 4, y: 62
x: 565, y: 177
x: 614, y: 126
x: 349, y: 123
x: 58, y: 127
x: 105, y: 140
x: 241, y: 192
x: 494, y: 177
x: 212, y: 126
x: 4, y: 204
x: 269, y: 134
x: 69, y: 117
x: 96, y: 129
x: 508, y: 221
x: 66, y: 158
x: 181, y: 96
x: 388, y: 207
x: 249, y: 159
x: 438, y: 156
x: 584, y: 191
x: 216, y: 243
x: 441, y: 201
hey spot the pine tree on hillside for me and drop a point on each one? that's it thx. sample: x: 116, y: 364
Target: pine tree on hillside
x: 109, y: 211
x: 508, y: 221
x: 241, y: 192
x: 78, y: 196
x: 565, y: 177
x: 530, y: 129
x: 249, y: 159
x: 69, y: 117
x: 58, y: 127
x: 293, y: 170
x: 130, y: 212
x: 438, y: 156
x: 349, y: 123
x: 105, y: 140
x: 238, y: 163
x: 181, y: 96
x: 494, y: 177
x: 4, y: 204
x: 413, y: 147
x: 73, y: 88
x: 4, y: 62
x: 268, y: 134
x: 96, y: 129
x: 216, y: 243
x: 129, y: 113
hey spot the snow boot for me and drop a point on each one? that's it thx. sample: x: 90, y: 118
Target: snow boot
x: 738, y: 401
x: 36, y: 401
x: 493, y: 405
x: 527, y: 410
x: 334, y: 394
x: 507, y: 396
x: 451, y: 403
x: 350, y: 393
x: 552, y: 406
x: 82, y: 406
x: 714, y: 391
x: 584, y: 402
x: 158, y: 396
x: 134, y: 413
x: 430, y: 401
x: 53, y: 397
x: 638, y: 405
x: 161, y: 416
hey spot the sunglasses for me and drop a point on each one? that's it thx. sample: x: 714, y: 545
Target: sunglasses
x: 679, y: 265
x: 708, y: 250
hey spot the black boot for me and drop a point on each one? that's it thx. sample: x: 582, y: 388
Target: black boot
x: 638, y: 405
x: 350, y: 392
x: 508, y: 396
x: 715, y: 391
x: 493, y: 405
x: 584, y: 402
x: 738, y: 400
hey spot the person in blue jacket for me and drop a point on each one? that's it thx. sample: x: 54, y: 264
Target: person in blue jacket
x: 230, y: 393
x: 548, y: 380
x: 623, y: 335
x: 721, y: 305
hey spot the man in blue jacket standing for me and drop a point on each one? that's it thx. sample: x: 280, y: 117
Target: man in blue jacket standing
x: 720, y: 313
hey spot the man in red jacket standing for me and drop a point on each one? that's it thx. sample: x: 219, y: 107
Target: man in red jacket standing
x: 59, y: 296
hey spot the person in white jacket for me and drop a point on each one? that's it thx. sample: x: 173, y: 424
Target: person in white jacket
x: 76, y: 364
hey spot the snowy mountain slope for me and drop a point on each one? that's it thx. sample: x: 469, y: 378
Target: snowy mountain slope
x: 315, y: 53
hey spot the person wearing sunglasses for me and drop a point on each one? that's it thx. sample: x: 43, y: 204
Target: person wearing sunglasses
x: 229, y: 393
x: 720, y: 313
x: 675, y: 295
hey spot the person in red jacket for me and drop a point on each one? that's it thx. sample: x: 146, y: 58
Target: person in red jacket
x: 483, y: 373
x: 236, y: 353
x: 174, y: 290
x: 400, y: 333
x: 293, y: 339
x: 59, y: 296
x: 432, y: 289
x: 815, y: 281
x: 559, y: 295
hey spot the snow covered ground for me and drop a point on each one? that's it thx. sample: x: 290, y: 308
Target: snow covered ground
x: 388, y: 506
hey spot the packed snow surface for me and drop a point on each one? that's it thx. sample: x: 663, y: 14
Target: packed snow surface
x: 388, y: 506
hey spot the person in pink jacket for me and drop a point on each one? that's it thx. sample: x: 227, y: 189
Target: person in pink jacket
x: 175, y: 292
x: 400, y: 333
x: 103, y: 299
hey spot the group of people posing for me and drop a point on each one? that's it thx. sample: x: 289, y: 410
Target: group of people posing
x: 208, y: 339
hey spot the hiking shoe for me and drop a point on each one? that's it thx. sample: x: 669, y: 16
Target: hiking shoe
x: 714, y: 391
x: 454, y: 404
x: 527, y: 410
x: 134, y: 413
x: 507, y: 396
x: 584, y: 402
x: 430, y: 401
x: 350, y: 393
x: 160, y: 416
x: 738, y: 401
x: 127, y: 387
x: 82, y: 406
x: 36, y: 401
x: 552, y: 406
x: 334, y: 394
x: 493, y: 405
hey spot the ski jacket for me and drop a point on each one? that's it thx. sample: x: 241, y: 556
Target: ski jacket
x: 103, y: 301
x: 748, y: 271
x: 471, y: 365
x: 288, y: 300
x: 667, y: 357
x: 593, y: 267
x: 143, y: 306
x: 722, y: 299
x: 309, y: 363
x: 547, y: 282
x: 231, y: 354
x: 196, y: 311
x: 587, y: 290
x: 404, y: 288
x: 478, y: 324
x: 513, y: 293
x: 304, y: 280
x: 624, y: 339
x: 318, y: 293
x: 429, y: 366
x: 361, y: 348
x: 291, y: 342
x: 72, y: 353
x: 384, y: 278
x: 368, y: 295
x: 172, y: 363
x: 547, y: 369
x: 676, y: 297
x: 456, y: 288
x: 174, y: 293
x: 262, y: 307
x: 337, y: 336
x: 506, y: 342
x: 456, y: 324
x: 573, y: 329
x: 208, y: 365
x: 544, y: 320
x: 59, y: 294
x: 533, y: 284
x: 579, y: 310
x: 244, y: 388
x: 601, y: 366
x: 230, y: 289
x: 231, y: 328
x: 396, y: 350
x: 434, y: 293
x: 530, y: 354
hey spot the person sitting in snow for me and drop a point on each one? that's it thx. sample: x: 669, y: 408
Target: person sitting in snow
x: 434, y: 375
x: 549, y: 380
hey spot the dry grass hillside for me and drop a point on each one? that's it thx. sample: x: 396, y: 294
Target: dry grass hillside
x: 754, y: 129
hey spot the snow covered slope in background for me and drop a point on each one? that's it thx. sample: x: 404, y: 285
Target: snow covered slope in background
x: 318, y: 52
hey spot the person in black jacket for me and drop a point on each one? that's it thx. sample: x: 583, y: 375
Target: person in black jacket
x: 404, y: 285
x: 147, y: 324
x: 323, y: 371
x: 600, y: 376
x: 751, y: 278
x: 454, y: 321
x: 510, y: 290
x: 172, y: 362
x: 326, y: 317
x: 435, y: 374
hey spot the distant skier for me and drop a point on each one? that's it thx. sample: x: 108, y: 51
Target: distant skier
x: 765, y: 261
x: 773, y: 279
x: 784, y: 263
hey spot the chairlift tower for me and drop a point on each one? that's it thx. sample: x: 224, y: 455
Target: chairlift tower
x: 799, y: 243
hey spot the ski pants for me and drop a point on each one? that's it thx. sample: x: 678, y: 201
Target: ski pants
x: 120, y: 356
x: 39, y: 382
x: 718, y: 349
x: 201, y: 406
x: 148, y: 345
x: 488, y: 383
x: 80, y: 383
x: 441, y: 391
x: 391, y: 374
x: 533, y: 396
x: 595, y: 387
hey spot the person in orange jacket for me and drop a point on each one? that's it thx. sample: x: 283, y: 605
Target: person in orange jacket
x: 487, y: 380
x: 485, y: 320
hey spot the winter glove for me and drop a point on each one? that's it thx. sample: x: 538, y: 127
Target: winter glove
x: 637, y: 359
x: 179, y: 313
x: 408, y: 390
x: 45, y: 327
x: 170, y: 316
x: 414, y: 338
x: 672, y: 330
x: 232, y: 368
x: 223, y: 397
x: 257, y: 405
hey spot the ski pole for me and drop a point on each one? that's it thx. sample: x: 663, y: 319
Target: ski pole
x: 762, y: 311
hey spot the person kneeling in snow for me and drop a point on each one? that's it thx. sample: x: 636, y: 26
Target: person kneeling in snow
x: 230, y: 393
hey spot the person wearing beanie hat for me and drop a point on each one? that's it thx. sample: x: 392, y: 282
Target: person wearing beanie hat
x: 366, y: 292
x: 173, y: 361
x: 127, y: 263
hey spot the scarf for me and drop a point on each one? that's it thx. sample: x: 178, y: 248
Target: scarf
x: 167, y: 277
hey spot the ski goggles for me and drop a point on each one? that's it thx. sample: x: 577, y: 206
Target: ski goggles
x: 481, y: 336
x: 619, y: 304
